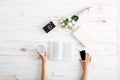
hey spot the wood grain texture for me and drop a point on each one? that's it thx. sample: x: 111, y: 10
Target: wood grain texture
x: 21, y: 23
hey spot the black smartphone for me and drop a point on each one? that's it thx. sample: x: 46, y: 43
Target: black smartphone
x: 82, y: 54
x: 49, y: 27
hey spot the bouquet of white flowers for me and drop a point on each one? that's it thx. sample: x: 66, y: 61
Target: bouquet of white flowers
x: 69, y: 22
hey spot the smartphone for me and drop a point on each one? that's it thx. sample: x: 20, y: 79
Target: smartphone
x: 82, y: 54
x: 49, y: 27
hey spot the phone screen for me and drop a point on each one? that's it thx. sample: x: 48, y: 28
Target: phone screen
x: 82, y: 54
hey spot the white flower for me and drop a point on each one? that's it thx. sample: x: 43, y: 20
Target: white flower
x: 63, y: 24
x: 73, y: 22
x: 69, y: 19
x: 67, y: 26
x: 70, y: 24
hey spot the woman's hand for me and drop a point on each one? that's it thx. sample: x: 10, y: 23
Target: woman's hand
x: 43, y: 57
x: 85, y: 63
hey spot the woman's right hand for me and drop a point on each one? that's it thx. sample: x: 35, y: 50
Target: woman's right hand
x: 85, y: 63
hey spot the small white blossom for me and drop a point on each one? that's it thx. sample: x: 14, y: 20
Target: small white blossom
x: 63, y: 24
x: 70, y: 24
x: 69, y: 19
x: 67, y: 26
x: 73, y: 22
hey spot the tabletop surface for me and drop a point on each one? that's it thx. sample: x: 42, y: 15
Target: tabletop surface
x: 21, y: 23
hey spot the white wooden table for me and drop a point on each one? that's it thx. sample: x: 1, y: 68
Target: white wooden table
x: 21, y: 23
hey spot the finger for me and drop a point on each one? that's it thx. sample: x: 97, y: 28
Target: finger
x: 45, y: 54
x: 40, y: 56
x: 90, y: 59
x: 86, y: 57
x: 81, y: 62
x: 38, y: 52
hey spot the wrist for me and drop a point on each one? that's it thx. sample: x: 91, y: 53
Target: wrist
x: 44, y: 62
x: 85, y: 70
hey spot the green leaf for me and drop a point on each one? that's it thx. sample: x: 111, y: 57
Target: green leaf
x: 75, y: 18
